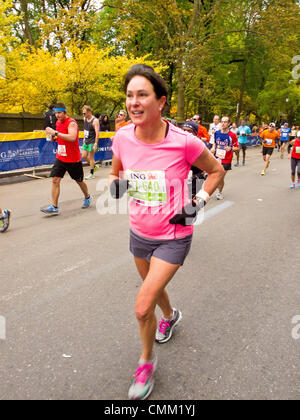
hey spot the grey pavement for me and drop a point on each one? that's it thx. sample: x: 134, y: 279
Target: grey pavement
x: 68, y: 287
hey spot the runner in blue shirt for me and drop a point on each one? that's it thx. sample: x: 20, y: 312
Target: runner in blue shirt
x: 243, y: 133
x: 285, y: 133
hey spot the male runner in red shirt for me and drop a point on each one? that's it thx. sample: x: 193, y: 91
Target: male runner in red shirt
x: 68, y: 158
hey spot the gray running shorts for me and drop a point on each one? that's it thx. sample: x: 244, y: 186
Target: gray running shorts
x: 173, y: 251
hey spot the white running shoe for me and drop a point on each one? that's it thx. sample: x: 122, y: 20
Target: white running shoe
x: 220, y: 196
x: 165, y: 327
x: 90, y: 176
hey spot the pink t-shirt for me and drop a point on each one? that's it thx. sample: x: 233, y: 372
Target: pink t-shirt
x: 158, y: 176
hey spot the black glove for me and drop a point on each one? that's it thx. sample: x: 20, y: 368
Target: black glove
x: 195, y: 184
x: 188, y: 214
x: 119, y: 187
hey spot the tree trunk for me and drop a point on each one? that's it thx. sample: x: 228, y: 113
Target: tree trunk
x: 27, y: 33
x: 170, y: 81
x: 180, y: 95
x: 242, y: 91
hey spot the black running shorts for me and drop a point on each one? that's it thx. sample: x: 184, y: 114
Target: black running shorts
x: 75, y: 170
x: 227, y: 166
x: 268, y: 151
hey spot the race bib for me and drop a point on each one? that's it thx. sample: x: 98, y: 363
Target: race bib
x: 269, y: 142
x: 148, y: 188
x: 61, y: 150
x: 221, y: 153
x: 298, y: 149
x: 86, y: 134
x: 285, y: 134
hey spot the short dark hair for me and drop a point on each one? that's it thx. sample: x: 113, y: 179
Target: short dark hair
x: 159, y: 85
x: 199, y: 116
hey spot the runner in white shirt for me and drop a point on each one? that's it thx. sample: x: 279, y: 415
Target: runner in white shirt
x: 215, y: 126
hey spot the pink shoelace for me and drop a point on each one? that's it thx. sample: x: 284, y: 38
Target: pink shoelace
x: 163, y: 325
x: 142, y: 373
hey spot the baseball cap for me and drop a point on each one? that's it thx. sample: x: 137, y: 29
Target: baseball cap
x: 192, y: 125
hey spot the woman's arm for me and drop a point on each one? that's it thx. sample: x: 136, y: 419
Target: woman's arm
x: 208, y: 163
x: 117, y: 167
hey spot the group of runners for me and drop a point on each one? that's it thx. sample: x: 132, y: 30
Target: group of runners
x: 149, y: 155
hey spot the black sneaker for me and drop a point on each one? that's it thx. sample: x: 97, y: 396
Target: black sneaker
x: 165, y: 328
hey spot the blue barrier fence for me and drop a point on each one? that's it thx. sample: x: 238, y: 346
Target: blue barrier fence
x: 254, y: 141
x: 30, y: 150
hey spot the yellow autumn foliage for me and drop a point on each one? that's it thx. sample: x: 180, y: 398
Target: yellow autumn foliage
x: 74, y: 76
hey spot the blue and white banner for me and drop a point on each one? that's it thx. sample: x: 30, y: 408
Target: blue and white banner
x: 29, y: 150
x: 254, y: 141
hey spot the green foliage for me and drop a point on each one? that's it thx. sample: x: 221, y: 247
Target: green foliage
x: 214, y: 54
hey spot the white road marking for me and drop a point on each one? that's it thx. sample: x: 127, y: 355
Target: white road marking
x: 205, y: 215
x: 218, y: 209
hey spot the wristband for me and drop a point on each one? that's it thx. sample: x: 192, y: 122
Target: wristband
x: 203, y: 195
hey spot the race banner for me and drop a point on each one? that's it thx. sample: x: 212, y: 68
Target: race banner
x: 254, y: 141
x: 31, y: 150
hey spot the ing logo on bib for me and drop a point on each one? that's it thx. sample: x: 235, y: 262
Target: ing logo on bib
x: 148, y: 188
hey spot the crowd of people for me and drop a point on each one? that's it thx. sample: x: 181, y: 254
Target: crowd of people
x: 149, y: 154
x: 223, y: 139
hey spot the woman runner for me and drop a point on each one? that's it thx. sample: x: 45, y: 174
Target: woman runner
x: 153, y: 159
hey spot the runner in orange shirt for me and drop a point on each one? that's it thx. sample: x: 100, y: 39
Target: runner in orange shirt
x: 202, y: 132
x: 121, y: 120
x: 269, y: 138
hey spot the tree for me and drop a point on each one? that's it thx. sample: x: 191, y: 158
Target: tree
x: 7, y: 20
x: 214, y: 54
x: 167, y: 29
x: 83, y: 76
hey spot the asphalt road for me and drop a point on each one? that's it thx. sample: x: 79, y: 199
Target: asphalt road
x: 68, y: 287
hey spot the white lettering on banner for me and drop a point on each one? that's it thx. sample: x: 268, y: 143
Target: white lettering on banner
x: 29, y: 153
x: 2, y: 328
x: 104, y: 149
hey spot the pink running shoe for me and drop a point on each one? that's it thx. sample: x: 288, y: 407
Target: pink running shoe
x: 143, y: 382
